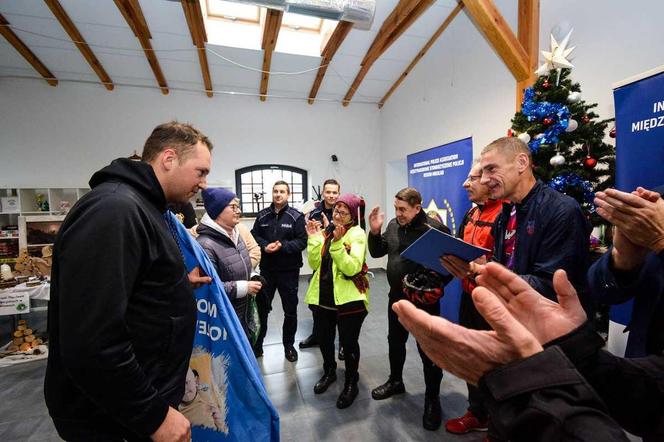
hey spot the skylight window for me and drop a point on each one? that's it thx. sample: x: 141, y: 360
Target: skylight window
x: 241, y: 26
x: 233, y: 11
x: 297, y: 22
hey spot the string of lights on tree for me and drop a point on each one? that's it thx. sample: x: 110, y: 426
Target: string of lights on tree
x: 565, y: 136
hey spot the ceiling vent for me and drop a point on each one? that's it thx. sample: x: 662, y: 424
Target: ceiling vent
x: 359, y: 12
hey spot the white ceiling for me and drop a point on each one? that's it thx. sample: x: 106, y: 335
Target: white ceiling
x: 106, y: 31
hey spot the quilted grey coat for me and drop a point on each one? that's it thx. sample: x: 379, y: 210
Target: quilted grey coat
x: 232, y: 263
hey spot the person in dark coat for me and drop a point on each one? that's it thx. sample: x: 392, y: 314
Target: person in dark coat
x: 279, y: 230
x: 410, y: 223
x: 539, y: 231
x: 632, y: 269
x: 543, y: 367
x: 122, y: 311
x: 219, y: 236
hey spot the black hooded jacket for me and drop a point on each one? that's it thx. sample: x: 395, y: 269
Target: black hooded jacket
x: 122, y: 312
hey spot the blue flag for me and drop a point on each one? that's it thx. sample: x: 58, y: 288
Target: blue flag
x: 225, y: 399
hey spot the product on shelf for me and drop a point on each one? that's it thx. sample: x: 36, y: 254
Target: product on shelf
x: 25, y: 340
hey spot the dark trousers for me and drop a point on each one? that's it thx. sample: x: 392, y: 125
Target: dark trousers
x: 325, y: 325
x: 287, y: 283
x: 397, y: 336
x: 469, y: 317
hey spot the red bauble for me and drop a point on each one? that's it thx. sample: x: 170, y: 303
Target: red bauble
x: 585, y: 119
x: 589, y: 162
x: 546, y: 85
x: 547, y: 121
x: 612, y: 133
x: 510, y: 133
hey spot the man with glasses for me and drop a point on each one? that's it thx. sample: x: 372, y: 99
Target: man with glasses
x: 475, y: 229
x: 279, y: 230
x: 538, y: 232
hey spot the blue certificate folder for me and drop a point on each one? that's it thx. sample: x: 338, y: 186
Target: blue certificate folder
x: 428, y: 249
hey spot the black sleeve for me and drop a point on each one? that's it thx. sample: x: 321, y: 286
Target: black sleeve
x: 257, y: 233
x: 99, y: 262
x: 378, y: 244
x: 299, y: 242
x: 464, y: 222
x: 545, y: 398
x: 632, y: 388
x: 189, y: 215
x: 564, y: 246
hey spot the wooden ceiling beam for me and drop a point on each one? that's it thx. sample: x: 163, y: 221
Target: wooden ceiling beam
x: 399, y: 20
x: 25, y: 52
x: 422, y: 52
x: 269, y: 42
x: 79, y: 41
x: 528, y: 34
x: 496, y: 30
x: 133, y: 14
x: 338, y: 36
x: 194, y: 17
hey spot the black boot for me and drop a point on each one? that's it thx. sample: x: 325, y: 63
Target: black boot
x: 342, y: 354
x: 309, y: 342
x: 432, y: 416
x: 349, y: 394
x: 388, y: 389
x: 290, y: 353
x: 329, y: 376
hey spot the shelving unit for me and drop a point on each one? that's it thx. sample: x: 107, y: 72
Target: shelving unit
x: 30, y: 218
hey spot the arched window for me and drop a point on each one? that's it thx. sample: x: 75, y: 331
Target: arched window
x: 254, y: 185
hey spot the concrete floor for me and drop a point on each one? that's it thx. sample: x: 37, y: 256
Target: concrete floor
x: 304, y: 415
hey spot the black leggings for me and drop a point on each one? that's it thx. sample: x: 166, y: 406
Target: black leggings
x: 397, y: 336
x: 325, y: 325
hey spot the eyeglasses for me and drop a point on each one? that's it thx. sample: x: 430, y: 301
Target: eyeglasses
x: 235, y: 207
x: 340, y: 213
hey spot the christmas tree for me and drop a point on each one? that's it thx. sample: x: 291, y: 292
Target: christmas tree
x: 564, y: 134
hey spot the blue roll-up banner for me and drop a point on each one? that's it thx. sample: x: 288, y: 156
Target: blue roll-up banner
x: 225, y: 399
x: 438, y: 173
x: 639, y: 103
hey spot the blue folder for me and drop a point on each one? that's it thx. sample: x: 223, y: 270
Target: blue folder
x: 428, y: 249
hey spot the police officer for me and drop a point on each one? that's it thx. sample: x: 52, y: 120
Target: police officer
x: 279, y: 230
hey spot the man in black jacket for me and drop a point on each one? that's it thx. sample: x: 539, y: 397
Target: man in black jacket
x: 122, y: 311
x: 279, y: 230
x: 410, y: 223
x: 542, y: 366
x: 540, y: 231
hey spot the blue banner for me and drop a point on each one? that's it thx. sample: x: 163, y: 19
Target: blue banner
x: 438, y: 173
x: 639, y: 145
x: 225, y: 399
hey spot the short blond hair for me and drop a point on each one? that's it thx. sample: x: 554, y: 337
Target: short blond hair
x: 509, y: 145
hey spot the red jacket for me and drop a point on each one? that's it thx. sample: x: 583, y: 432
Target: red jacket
x: 476, y: 229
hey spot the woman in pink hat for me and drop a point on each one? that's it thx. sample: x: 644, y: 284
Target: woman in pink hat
x: 339, y: 290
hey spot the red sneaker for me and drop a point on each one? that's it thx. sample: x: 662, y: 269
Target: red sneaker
x: 466, y: 423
